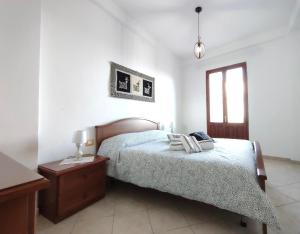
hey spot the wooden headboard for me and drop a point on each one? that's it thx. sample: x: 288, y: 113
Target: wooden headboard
x: 123, y: 126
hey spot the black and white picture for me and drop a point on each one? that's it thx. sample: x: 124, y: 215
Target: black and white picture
x: 147, y: 88
x: 123, y: 82
x: 127, y: 83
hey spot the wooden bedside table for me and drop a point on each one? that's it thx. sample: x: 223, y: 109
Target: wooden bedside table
x: 18, y: 187
x: 72, y: 188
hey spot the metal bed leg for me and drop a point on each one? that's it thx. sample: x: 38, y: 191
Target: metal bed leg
x: 243, y: 223
x: 264, y: 228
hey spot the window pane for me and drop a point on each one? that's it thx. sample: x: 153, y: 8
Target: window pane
x: 216, y: 97
x: 235, y: 95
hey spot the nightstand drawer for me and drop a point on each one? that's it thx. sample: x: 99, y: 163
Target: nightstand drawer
x: 76, y: 199
x: 82, y: 179
x: 73, y: 187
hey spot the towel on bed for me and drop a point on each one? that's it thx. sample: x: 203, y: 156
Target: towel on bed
x: 174, y: 137
x: 189, y: 143
x: 200, y: 136
x: 176, y: 145
x: 206, y: 144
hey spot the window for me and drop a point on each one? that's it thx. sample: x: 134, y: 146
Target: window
x: 227, y: 101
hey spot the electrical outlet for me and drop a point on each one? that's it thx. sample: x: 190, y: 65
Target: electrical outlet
x: 90, y: 142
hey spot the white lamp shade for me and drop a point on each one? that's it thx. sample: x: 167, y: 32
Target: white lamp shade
x: 80, y: 137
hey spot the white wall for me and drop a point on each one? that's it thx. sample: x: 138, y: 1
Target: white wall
x: 78, y: 40
x: 273, y: 80
x: 19, y: 72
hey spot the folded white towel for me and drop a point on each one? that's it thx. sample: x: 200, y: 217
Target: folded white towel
x: 174, y: 137
x: 196, y: 144
x: 175, y: 143
x: 176, y: 147
x: 206, y: 144
x: 187, y: 144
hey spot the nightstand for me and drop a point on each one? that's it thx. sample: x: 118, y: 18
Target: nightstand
x: 72, y: 188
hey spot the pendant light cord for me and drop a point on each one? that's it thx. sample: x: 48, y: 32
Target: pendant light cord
x: 199, y: 48
x: 198, y: 29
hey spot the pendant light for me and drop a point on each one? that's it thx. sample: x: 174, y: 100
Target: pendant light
x: 199, y: 49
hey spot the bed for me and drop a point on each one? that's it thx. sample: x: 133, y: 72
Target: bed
x: 231, y: 177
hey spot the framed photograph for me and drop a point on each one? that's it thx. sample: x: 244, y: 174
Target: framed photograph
x: 130, y: 84
x: 147, y: 88
x: 123, y: 82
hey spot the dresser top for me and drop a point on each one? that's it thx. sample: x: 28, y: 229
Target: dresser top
x: 13, y: 173
x: 57, y: 169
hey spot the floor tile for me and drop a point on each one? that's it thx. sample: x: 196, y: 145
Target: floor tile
x: 128, y: 204
x: 43, y: 223
x: 277, y: 197
x: 292, y: 190
x: 282, y: 172
x: 186, y: 230
x: 44, y: 226
x: 164, y: 219
x: 160, y: 200
x: 196, y: 212
x: 212, y: 227
x: 128, y: 198
x: 93, y: 225
x: 289, y: 217
x: 133, y: 223
x: 103, y: 208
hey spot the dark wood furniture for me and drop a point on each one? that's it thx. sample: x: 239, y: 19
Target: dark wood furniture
x: 139, y: 124
x: 260, y: 172
x: 123, y: 126
x: 226, y: 129
x: 72, y: 188
x: 18, y: 187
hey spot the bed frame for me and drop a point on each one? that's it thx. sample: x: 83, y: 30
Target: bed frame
x: 139, y: 124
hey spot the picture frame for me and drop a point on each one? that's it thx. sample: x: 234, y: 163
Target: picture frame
x: 130, y: 84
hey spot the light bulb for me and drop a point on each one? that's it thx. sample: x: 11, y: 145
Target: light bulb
x: 199, y: 50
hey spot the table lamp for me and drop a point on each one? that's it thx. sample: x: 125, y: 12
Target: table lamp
x: 79, y: 138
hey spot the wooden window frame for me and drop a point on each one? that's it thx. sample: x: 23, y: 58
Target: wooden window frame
x: 225, y: 114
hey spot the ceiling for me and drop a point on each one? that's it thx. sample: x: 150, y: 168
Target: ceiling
x: 222, y: 22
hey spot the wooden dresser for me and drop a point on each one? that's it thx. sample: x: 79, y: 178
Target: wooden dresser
x: 18, y: 187
x: 73, y: 187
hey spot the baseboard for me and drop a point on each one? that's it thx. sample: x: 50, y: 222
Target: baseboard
x: 276, y: 158
x: 281, y: 159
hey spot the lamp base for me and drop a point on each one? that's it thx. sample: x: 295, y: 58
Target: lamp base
x: 79, y: 153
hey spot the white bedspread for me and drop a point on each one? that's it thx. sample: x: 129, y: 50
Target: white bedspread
x: 224, y: 177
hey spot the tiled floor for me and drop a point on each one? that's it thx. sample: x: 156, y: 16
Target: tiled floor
x: 131, y: 210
